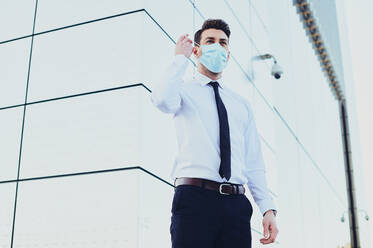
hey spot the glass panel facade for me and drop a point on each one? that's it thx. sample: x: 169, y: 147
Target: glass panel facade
x: 7, y: 194
x: 10, y: 136
x: 14, y: 60
x: 16, y: 18
x: 112, y: 209
x: 95, y: 156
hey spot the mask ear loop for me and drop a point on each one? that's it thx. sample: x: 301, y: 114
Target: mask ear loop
x: 195, y: 59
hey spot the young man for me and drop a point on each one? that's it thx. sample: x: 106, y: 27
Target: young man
x: 219, y: 149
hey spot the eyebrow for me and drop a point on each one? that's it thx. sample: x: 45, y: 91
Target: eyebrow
x: 213, y: 38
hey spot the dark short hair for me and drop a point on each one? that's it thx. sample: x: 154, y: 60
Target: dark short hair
x: 212, y: 23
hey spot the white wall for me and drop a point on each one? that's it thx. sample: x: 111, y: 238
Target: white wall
x: 297, y: 118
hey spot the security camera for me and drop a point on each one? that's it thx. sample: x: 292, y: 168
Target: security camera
x: 343, y: 219
x: 276, y: 70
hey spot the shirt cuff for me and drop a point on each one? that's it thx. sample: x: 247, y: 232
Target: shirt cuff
x: 265, y: 205
x: 180, y: 60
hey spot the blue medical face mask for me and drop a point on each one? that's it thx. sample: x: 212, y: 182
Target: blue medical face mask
x: 214, y: 57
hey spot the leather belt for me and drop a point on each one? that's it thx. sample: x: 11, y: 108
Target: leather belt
x: 224, y: 188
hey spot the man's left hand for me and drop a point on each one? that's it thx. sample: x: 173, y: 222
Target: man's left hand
x: 269, y: 228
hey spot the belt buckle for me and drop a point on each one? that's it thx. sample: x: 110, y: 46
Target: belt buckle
x: 220, y: 187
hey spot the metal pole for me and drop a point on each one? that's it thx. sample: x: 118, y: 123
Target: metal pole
x: 351, y: 195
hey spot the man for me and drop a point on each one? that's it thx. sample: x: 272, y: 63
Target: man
x: 219, y: 149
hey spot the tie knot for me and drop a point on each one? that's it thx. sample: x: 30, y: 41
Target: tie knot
x: 214, y: 84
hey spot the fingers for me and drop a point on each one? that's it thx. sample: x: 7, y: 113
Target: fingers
x: 181, y: 38
x: 184, y: 45
x: 270, y: 239
x: 187, y: 40
x: 184, y: 39
x: 265, y: 231
x: 270, y: 229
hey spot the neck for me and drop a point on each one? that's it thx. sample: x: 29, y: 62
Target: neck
x: 203, y: 70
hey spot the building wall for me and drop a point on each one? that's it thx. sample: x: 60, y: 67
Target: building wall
x: 361, y: 186
x: 86, y: 158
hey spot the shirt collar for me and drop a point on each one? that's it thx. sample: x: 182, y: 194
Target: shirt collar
x: 204, y: 80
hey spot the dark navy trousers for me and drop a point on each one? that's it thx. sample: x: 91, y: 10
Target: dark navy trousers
x: 203, y: 218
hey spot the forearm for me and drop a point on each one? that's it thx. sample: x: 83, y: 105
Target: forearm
x: 257, y: 185
x: 166, y: 94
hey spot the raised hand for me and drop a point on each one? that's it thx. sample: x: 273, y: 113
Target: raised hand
x: 184, y: 46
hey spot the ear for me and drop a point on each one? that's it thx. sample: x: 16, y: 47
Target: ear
x: 229, y: 55
x: 195, y: 51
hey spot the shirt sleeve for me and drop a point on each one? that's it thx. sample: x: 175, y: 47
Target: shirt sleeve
x: 255, y: 170
x: 166, y: 93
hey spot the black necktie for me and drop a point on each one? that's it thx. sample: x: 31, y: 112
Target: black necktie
x: 225, y: 143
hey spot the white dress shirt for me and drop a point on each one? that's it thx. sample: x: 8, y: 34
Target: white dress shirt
x: 193, y: 107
